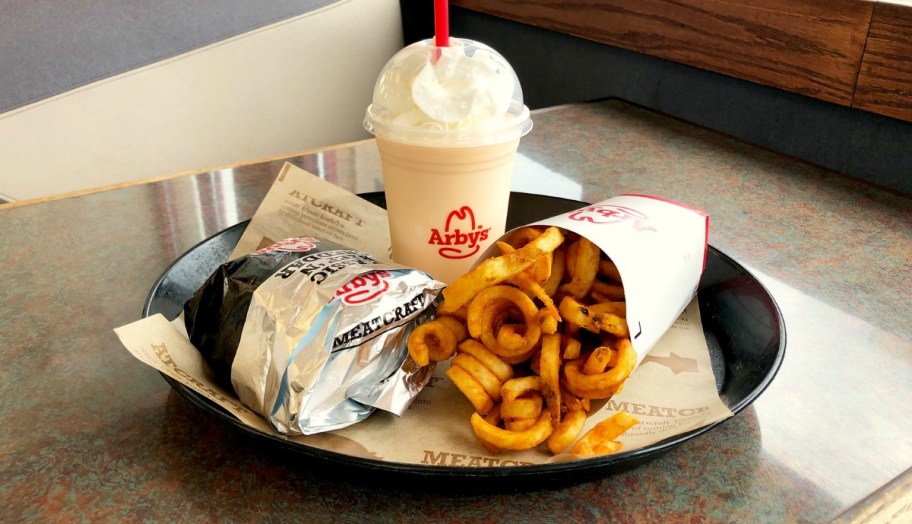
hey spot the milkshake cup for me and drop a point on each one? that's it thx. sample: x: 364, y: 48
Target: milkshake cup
x: 448, y: 120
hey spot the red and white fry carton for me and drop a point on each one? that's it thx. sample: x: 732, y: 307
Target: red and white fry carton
x: 659, y: 248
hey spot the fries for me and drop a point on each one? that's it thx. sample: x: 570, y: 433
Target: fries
x: 516, y: 440
x: 549, y: 371
x: 602, y: 385
x: 488, y: 316
x: 435, y: 340
x: 495, y: 270
x: 538, y: 332
x: 566, y: 431
x: 600, y: 439
x: 585, y: 268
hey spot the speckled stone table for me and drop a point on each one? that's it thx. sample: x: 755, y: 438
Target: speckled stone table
x: 87, y: 433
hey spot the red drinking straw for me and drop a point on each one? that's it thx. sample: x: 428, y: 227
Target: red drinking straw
x: 441, y: 23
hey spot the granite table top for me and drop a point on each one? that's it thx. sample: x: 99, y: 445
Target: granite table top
x: 88, y: 433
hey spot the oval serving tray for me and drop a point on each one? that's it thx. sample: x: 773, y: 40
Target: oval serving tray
x: 741, y: 321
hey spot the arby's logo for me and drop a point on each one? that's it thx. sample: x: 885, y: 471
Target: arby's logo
x: 296, y: 245
x: 610, y: 214
x: 364, y: 288
x: 461, y: 237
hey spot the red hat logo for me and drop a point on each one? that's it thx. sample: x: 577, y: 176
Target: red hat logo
x: 461, y: 237
x: 364, y: 288
x: 608, y: 214
x: 299, y: 244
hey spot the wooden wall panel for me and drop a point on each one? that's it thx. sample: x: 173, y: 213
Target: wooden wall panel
x: 885, y: 80
x: 812, y: 47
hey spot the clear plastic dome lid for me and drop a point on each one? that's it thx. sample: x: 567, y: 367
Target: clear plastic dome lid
x: 462, y: 95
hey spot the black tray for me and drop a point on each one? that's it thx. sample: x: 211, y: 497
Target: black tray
x: 742, y: 323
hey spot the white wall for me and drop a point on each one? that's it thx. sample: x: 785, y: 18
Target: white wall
x: 298, y: 84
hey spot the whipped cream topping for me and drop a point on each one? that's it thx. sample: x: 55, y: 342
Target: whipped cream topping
x: 461, y: 95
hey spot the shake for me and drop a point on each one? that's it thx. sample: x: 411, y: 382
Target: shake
x: 448, y: 122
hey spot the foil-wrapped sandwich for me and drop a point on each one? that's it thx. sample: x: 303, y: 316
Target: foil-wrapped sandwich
x: 311, y: 334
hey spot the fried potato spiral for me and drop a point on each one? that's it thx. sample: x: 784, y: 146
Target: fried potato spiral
x: 534, y: 335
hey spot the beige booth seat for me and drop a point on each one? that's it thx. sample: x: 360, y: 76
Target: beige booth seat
x: 289, y: 85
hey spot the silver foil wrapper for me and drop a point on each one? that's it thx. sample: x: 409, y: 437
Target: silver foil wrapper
x: 323, y: 343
